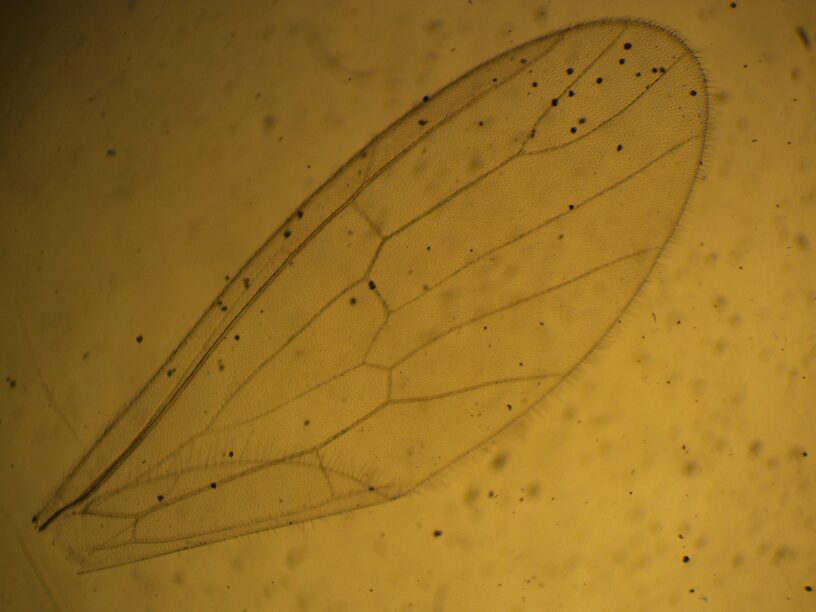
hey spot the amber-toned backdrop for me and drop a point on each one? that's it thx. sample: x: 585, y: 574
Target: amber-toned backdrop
x: 146, y: 150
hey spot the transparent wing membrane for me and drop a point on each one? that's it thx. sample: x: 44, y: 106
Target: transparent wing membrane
x: 439, y: 286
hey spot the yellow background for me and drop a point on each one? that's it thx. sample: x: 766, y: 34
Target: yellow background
x: 148, y: 148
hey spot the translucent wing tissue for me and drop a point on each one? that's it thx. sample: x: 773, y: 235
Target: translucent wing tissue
x: 431, y: 292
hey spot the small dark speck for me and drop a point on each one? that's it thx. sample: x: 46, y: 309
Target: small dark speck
x: 223, y: 308
x: 582, y: 120
x: 11, y: 382
x: 160, y: 498
x: 620, y: 147
x: 287, y: 233
x: 686, y: 558
x: 246, y: 283
x: 231, y: 453
x: 803, y: 36
x: 535, y: 83
x: 139, y: 338
x: 306, y: 422
x: 426, y: 98
x: 621, y: 61
x: 422, y: 121
x: 111, y: 153
x: 572, y: 206
x: 809, y: 588
x: 437, y: 533
x: 170, y: 372
x: 627, y: 45
x: 555, y: 101
x: 372, y: 284
x: 237, y: 337
x: 300, y: 214
x: 599, y: 80
x: 353, y: 301
x: 571, y: 93
x: 733, y: 5
x: 693, y: 92
x: 662, y: 70
x: 212, y: 485
x: 570, y: 70
x: 573, y: 129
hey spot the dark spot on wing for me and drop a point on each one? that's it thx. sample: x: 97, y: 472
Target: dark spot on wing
x: 269, y: 122
x: 804, y: 36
